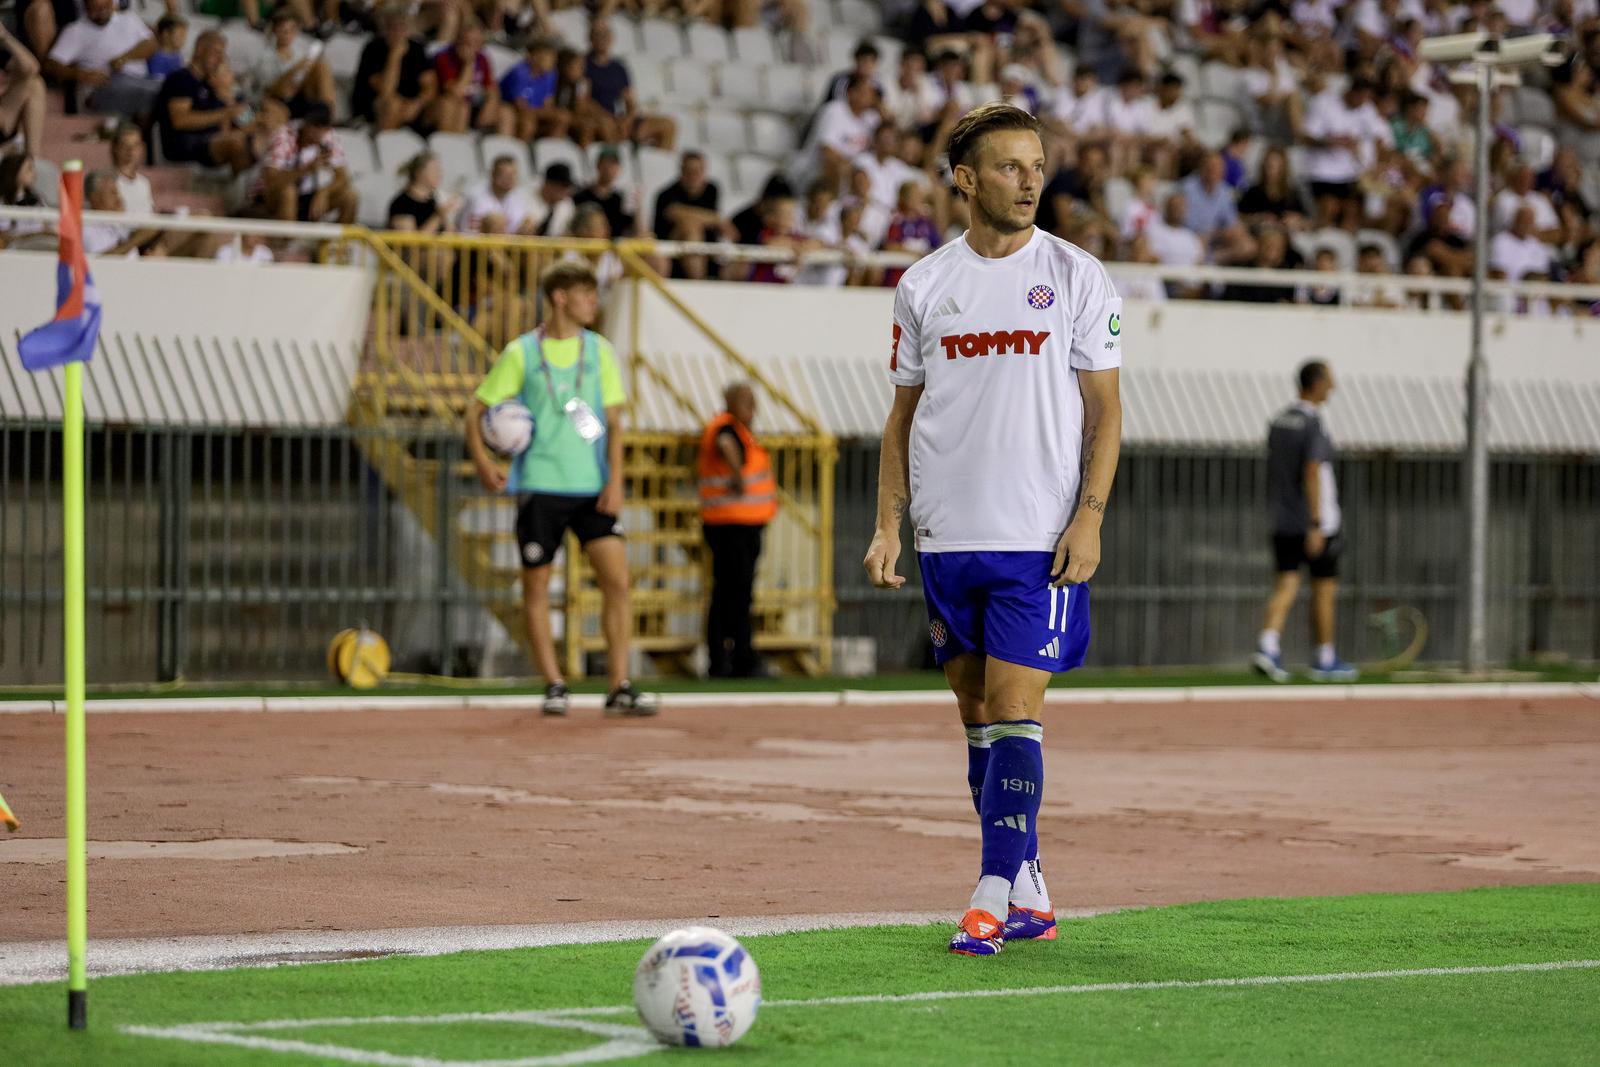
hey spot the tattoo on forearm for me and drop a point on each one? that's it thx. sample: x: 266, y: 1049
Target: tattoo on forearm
x: 899, y: 507
x: 1094, y: 503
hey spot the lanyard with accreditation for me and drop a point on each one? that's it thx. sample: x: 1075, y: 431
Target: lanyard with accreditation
x: 580, y: 414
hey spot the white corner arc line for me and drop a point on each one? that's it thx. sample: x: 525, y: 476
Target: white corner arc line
x: 622, y: 1042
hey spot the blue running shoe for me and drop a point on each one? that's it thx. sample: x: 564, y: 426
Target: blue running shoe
x: 1337, y: 671
x: 1025, y: 924
x: 980, y: 934
x: 1270, y: 665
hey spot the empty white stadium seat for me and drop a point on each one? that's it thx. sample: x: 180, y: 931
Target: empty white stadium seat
x: 691, y: 131
x: 750, y: 173
x: 47, y: 181
x: 740, y: 85
x: 839, y: 44
x: 720, y: 170
x: 458, y: 158
x: 753, y: 44
x: 771, y: 135
x: 688, y: 82
x: 1538, y: 146
x: 786, y: 90
x: 1118, y: 195
x: 1221, y: 81
x: 1215, y: 120
x: 342, y: 53
x: 889, y: 49
x: 375, y: 191
x: 501, y: 59
x: 657, y: 170
x: 358, y: 153
x: 395, y: 149
x: 1532, y: 105
x: 660, y: 38
x: 725, y: 131
x: 548, y: 150
x: 647, y: 73
x: 859, y: 15
x: 496, y: 145
x: 708, y: 43
x: 245, y: 46
x: 573, y: 25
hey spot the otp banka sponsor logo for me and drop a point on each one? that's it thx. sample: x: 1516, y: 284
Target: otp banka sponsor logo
x: 994, y: 343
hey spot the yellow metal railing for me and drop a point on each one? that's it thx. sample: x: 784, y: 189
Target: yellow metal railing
x: 443, y: 306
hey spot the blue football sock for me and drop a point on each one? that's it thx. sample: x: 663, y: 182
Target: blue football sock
x: 1013, y: 786
x: 977, y: 763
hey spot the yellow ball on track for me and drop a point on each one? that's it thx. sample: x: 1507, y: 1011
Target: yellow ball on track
x: 360, y: 658
x: 338, y: 642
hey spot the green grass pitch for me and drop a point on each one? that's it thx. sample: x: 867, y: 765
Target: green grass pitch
x: 1547, y: 1016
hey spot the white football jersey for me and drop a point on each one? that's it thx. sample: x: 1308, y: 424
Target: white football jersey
x: 996, y: 344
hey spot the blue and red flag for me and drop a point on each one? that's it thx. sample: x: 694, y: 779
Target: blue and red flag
x: 70, y: 336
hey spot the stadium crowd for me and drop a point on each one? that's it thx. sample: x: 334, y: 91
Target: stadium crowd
x: 1283, y: 134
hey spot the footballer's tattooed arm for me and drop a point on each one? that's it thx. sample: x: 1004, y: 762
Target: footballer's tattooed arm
x: 1078, y: 552
x: 894, y: 489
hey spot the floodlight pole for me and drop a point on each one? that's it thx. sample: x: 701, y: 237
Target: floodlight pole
x: 1492, y: 60
x: 1477, y: 473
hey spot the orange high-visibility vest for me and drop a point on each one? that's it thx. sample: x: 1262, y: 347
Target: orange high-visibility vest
x: 757, y: 503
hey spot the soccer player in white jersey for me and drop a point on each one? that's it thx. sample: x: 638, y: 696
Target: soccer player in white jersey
x: 1001, y: 445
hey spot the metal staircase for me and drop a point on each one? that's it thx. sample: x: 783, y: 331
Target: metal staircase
x: 423, y: 359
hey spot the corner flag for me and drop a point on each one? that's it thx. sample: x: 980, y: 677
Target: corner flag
x: 70, y: 336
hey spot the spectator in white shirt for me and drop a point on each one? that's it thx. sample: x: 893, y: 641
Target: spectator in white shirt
x: 1517, y: 253
x: 1344, y: 132
x: 1172, y: 126
x: 820, y: 222
x: 127, y: 153
x: 21, y: 94
x: 1370, y: 260
x: 843, y: 131
x: 1519, y: 193
x: 499, y: 205
x: 884, y: 169
x: 911, y: 100
x: 1142, y: 210
x: 100, y: 193
x: 292, y: 69
x: 1273, y: 85
x: 104, y: 52
x: 956, y: 97
x: 249, y: 249
x: 1128, y: 114
x: 1172, y: 242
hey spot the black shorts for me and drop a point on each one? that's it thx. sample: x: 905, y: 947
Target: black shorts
x: 1290, y: 552
x: 1335, y: 190
x: 543, y: 518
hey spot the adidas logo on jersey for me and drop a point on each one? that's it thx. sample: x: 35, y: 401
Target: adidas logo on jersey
x: 1015, y: 822
x: 1052, y: 650
x: 994, y: 343
x: 949, y: 307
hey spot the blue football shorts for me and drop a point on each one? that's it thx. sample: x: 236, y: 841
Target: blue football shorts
x: 1002, y: 604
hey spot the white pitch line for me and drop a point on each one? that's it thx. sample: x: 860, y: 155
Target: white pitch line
x: 627, y: 1042
x: 1153, y: 694
x: 1137, y: 987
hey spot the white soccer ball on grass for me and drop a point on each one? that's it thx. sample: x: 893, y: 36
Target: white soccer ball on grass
x: 508, y: 428
x: 697, y: 987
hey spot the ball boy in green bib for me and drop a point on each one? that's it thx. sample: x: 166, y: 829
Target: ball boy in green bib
x: 570, y: 477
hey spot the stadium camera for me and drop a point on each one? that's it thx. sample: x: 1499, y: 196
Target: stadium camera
x: 1494, y: 51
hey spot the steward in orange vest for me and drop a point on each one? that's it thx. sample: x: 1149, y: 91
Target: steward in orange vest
x: 738, y: 497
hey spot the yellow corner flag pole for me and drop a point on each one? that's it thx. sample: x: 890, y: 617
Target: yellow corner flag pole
x: 77, y: 793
